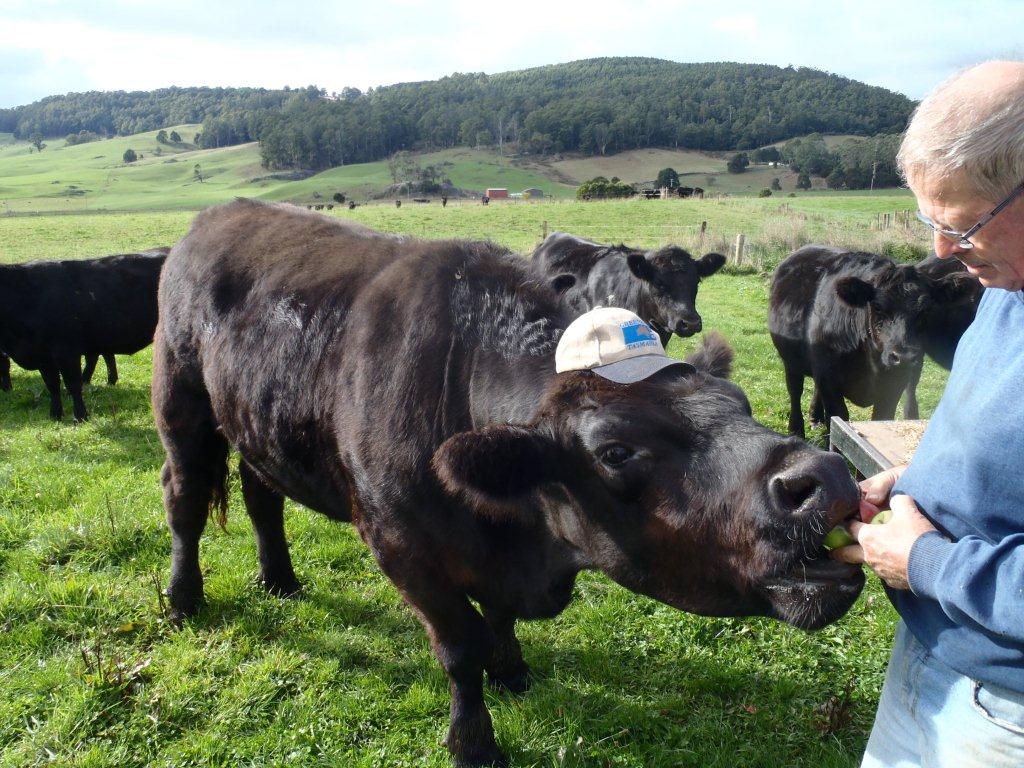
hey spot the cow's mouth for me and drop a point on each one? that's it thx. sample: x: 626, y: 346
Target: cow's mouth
x: 815, y: 592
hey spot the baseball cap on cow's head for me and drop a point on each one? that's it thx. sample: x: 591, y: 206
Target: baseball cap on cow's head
x: 613, y: 343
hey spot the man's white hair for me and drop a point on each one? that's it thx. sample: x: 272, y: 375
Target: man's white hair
x: 969, y: 134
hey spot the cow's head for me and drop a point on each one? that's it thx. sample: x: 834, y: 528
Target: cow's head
x: 898, y: 300
x: 671, y: 276
x: 672, y: 489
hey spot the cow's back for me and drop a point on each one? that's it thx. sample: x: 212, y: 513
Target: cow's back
x: 254, y: 302
x: 116, y: 299
x: 561, y: 253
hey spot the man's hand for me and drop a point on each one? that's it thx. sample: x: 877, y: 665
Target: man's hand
x: 886, y: 548
x: 876, y: 489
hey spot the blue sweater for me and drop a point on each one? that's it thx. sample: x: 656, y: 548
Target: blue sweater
x: 966, y: 597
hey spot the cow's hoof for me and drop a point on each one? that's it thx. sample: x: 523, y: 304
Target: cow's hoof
x: 471, y: 743
x: 183, y: 604
x: 111, y: 382
x: 514, y: 681
x: 492, y: 759
x: 287, y: 586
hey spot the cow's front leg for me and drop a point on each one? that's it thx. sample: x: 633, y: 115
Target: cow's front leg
x: 90, y: 368
x: 463, y: 643
x: 817, y: 411
x: 5, y: 372
x: 51, y: 378
x: 111, y: 369
x: 910, y: 407
x: 266, y: 511
x: 795, y: 387
x: 833, y: 404
x: 71, y: 372
x: 506, y: 669
x: 887, y: 397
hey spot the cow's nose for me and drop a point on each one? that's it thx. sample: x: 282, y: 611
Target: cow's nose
x: 815, y: 482
x: 689, y: 326
x: 895, y: 357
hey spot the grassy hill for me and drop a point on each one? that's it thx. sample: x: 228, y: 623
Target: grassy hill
x: 94, y: 177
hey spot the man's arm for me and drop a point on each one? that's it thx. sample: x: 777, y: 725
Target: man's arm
x: 973, y: 581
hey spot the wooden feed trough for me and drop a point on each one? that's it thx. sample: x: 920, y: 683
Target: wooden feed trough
x: 872, y: 446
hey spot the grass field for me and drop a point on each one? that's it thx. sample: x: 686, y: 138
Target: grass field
x: 92, y: 675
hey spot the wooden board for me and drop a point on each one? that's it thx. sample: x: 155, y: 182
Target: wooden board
x: 872, y: 446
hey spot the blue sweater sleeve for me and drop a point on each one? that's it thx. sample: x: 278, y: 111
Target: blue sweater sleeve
x: 972, y: 580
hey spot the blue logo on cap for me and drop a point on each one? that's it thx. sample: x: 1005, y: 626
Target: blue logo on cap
x: 637, y: 334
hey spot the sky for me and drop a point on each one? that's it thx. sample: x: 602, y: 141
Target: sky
x: 51, y: 47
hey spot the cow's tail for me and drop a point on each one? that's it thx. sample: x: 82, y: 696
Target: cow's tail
x: 715, y: 356
x: 220, y: 494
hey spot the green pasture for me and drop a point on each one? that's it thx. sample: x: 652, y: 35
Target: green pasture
x: 91, y: 674
x: 93, y: 177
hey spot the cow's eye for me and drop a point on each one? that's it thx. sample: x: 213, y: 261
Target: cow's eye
x: 615, y: 454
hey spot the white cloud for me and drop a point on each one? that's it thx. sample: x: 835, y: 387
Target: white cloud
x: 55, y: 46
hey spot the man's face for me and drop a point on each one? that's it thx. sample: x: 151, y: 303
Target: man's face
x: 997, y: 259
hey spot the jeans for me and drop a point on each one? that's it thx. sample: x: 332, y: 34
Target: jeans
x: 933, y: 717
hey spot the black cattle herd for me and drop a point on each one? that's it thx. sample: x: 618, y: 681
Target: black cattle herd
x: 408, y: 386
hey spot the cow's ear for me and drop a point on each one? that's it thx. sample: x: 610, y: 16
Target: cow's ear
x: 562, y: 283
x: 710, y: 263
x: 495, y: 467
x: 854, y: 291
x: 954, y: 288
x: 640, y: 266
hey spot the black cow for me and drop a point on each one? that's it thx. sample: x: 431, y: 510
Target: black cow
x: 409, y: 387
x: 943, y: 326
x: 52, y: 313
x: 660, y: 286
x: 851, y: 321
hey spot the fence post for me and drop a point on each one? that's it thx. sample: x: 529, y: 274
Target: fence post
x: 738, y: 250
x: 703, y: 229
x: 544, y: 230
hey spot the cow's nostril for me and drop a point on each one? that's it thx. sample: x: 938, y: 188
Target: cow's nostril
x: 791, y: 490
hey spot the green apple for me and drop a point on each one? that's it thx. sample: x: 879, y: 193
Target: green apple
x: 882, y: 517
x: 838, y: 537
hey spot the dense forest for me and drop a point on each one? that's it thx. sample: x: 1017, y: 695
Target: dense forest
x: 595, y: 106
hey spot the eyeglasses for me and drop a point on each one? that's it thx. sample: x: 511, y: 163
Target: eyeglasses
x: 963, y: 239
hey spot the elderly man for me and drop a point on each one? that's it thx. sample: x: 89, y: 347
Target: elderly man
x: 952, y: 556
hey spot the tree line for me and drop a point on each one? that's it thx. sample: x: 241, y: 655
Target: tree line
x: 595, y: 106
x: 856, y: 163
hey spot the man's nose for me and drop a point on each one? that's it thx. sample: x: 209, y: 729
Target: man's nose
x: 946, y: 248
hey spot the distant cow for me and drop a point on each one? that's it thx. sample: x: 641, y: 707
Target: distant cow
x: 409, y: 387
x: 851, y: 322
x: 660, y: 286
x: 942, y: 327
x: 52, y: 313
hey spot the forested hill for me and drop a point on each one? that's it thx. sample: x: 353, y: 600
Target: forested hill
x: 123, y: 113
x: 595, y: 106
